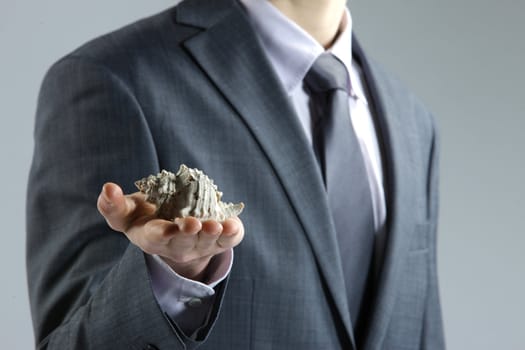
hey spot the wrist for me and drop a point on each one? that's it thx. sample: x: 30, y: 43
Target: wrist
x: 194, y: 270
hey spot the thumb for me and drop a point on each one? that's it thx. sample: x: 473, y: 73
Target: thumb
x: 114, y: 206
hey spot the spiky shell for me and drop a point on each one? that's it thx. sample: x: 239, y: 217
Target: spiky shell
x: 190, y: 192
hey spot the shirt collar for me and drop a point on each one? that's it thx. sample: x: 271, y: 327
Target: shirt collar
x: 293, y: 51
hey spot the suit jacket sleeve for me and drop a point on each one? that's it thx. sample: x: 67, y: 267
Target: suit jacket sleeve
x: 89, y: 288
x: 433, y: 334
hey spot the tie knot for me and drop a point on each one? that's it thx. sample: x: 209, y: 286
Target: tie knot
x: 327, y: 73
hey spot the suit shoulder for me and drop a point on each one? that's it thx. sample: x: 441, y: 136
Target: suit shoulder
x: 127, y: 47
x: 136, y: 56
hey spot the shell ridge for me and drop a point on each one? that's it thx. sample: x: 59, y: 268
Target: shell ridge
x: 189, y: 192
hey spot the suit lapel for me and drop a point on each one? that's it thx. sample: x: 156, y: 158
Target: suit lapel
x: 229, y: 52
x: 397, y: 152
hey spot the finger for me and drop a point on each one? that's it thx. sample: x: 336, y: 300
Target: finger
x: 188, y: 225
x: 232, y: 226
x: 166, y: 238
x: 232, y: 234
x: 153, y: 236
x: 156, y: 231
x: 182, y: 245
x: 208, y: 235
x: 211, y: 228
x: 119, y: 210
x: 113, y: 205
x: 108, y: 198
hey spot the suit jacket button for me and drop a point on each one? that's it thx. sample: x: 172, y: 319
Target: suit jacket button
x: 150, y: 347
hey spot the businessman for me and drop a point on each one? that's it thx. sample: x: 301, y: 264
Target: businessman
x: 335, y: 160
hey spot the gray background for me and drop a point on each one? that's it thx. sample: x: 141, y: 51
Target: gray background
x: 463, y: 58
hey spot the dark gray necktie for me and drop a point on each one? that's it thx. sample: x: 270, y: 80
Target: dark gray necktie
x: 343, y: 167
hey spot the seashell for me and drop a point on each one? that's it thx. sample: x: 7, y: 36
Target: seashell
x: 190, y: 192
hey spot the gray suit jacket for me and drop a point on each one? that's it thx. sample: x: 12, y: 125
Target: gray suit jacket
x: 192, y: 85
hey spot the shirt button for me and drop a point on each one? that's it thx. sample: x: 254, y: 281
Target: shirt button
x: 151, y: 347
x: 194, y: 302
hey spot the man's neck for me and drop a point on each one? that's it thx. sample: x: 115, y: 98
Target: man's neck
x: 319, y: 18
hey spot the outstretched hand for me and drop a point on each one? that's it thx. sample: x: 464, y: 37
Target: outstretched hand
x: 186, y: 244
